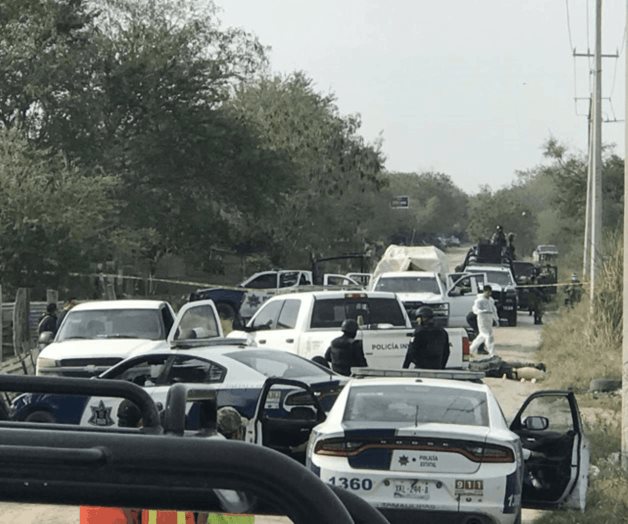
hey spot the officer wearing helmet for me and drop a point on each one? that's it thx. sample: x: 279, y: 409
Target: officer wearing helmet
x: 429, y: 347
x: 345, y: 351
x: 499, y: 238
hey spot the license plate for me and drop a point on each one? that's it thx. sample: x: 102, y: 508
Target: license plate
x: 469, y: 487
x: 412, y: 489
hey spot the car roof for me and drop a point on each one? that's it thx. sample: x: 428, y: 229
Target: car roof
x: 432, y: 382
x: 408, y: 274
x: 491, y: 267
x: 118, y: 304
x: 321, y: 295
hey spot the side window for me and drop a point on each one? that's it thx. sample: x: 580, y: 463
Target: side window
x: 167, y: 319
x: 148, y: 372
x: 267, y: 315
x: 190, y: 370
x: 555, y: 408
x: 288, y: 278
x: 462, y: 287
x: 263, y: 281
x: 288, y: 316
x: 198, y: 323
x: 304, y: 280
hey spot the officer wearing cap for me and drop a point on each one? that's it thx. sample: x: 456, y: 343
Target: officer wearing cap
x: 429, y: 347
x: 345, y: 351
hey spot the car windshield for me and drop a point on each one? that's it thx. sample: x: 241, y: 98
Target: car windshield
x: 279, y: 364
x: 408, y: 285
x: 112, y: 323
x: 330, y: 313
x: 500, y: 278
x: 416, y: 404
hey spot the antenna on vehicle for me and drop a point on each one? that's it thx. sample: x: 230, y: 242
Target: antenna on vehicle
x: 416, y: 416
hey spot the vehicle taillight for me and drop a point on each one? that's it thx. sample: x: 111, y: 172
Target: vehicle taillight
x: 494, y: 453
x: 337, y: 447
x: 466, y: 348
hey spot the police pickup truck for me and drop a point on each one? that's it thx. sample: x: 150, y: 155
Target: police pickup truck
x: 306, y: 323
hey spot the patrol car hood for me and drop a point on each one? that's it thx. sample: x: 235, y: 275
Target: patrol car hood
x: 428, y: 298
x: 100, y: 348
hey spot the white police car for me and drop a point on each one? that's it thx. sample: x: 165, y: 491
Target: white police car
x: 282, y: 396
x: 427, y: 445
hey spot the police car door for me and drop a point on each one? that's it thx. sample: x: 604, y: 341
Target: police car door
x: 196, y: 321
x: 557, y: 469
x: 287, y: 411
x: 462, y: 292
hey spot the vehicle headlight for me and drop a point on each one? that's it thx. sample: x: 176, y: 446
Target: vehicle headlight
x: 43, y: 362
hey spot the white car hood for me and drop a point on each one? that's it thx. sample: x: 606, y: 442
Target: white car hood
x: 101, y: 348
x: 430, y: 298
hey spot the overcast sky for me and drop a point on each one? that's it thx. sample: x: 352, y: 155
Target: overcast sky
x: 471, y: 88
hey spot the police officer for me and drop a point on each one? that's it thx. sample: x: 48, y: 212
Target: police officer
x: 49, y: 321
x: 573, y: 292
x: 499, y: 238
x: 345, y: 351
x: 429, y: 347
x: 536, y: 299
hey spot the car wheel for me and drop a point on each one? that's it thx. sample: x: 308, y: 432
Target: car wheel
x: 40, y: 416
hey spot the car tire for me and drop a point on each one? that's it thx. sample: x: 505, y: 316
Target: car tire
x: 40, y: 416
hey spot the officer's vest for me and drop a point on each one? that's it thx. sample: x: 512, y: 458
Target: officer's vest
x: 98, y: 515
x: 225, y: 518
x: 153, y: 516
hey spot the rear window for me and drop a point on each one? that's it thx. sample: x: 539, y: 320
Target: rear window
x: 408, y: 285
x: 330, y: 313
x: 278, y: 364
x: 416, y: 405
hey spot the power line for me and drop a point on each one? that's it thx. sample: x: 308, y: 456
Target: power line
x: 619, y: 52
x: 569, y: 26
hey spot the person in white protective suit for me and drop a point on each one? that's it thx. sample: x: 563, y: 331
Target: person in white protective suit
x: 486, y: 311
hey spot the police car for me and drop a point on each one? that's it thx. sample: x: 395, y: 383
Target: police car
x: 411, y: 446
x: 282, y: 396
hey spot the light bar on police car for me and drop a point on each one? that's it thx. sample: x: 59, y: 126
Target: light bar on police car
x: 417, y: 373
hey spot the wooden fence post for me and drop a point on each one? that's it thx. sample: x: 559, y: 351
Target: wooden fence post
x: 1, y: 326
x: 21, y: 332
x: 52, y: 296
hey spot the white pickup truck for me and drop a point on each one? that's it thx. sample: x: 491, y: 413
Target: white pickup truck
x: 306, y: 323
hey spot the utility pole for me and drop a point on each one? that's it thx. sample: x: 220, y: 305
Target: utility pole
x: 586, y: 257
x: 596, y: 186
x: 624, y: 396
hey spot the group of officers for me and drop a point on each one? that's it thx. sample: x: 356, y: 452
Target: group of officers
x: 428, y: 349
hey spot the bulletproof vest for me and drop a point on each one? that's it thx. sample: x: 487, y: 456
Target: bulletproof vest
x: 430, y: 342
x: 342, y: 351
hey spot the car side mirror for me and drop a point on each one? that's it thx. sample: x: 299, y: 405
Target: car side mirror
x: 45, y: 338
x: 536, y: 423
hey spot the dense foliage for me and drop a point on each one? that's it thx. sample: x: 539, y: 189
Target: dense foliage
x: 180, y: 140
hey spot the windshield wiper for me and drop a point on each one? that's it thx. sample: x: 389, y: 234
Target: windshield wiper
x: 117, y: 335
x: 74, y: 338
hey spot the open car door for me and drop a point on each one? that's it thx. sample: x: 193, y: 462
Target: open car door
x: 557, y: 468
x: 195, y: 321
x: 287, y: 411
x: 463, y: 288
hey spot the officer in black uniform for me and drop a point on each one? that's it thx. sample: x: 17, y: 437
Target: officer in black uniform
x: 345, y: 351
x: 429, y: 347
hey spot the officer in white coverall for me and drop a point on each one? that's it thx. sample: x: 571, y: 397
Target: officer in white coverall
x: 486, y: 311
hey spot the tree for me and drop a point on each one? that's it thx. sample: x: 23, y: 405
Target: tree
x: 53, y: 217
x: 320, y: 209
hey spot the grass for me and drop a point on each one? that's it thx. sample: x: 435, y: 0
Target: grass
x: 578, y: 346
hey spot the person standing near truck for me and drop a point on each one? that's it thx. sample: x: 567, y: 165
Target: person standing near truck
x: 429, y: 347
x: 486, y: 311
x: 345, y: 351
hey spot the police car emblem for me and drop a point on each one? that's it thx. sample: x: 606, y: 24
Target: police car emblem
x: 101, y: 415
x: 403, y: 460
x: 253, y: 300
